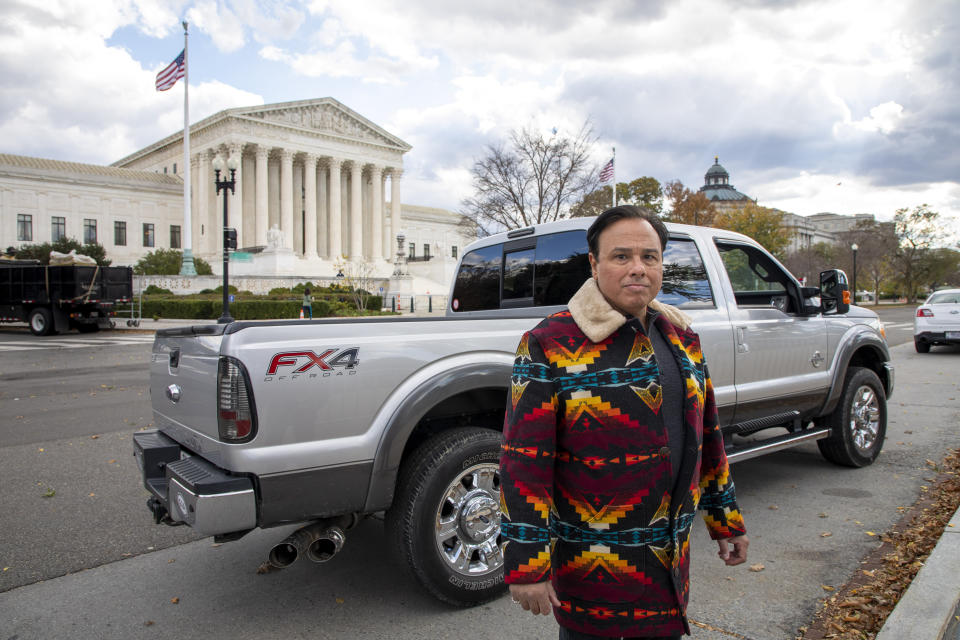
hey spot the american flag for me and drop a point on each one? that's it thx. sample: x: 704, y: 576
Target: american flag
x: 606, y: 174
x: 173, y: 72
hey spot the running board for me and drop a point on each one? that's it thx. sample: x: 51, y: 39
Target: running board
x: 776, y: 444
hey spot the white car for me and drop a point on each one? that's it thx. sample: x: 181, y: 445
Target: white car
x: 937, y: 320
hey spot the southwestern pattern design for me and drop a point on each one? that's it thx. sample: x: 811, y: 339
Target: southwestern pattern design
x: 586, y: 475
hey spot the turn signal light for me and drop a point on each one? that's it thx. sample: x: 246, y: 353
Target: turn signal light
x: 846, y: 297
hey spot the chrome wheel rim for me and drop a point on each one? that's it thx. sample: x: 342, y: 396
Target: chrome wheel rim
x: 468, y: 522
x: 865, y: 418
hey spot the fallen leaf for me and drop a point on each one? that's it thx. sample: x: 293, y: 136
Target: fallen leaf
x: 773, y: 507
x: 825, y: 534
x: 111, y: 461
x: 40, y: 449
x: 827, y: 587
x: 148, y: 623
x: 175, y: 600
x: 822, y: 515
x: 94, y: 437
x: 339, y: 600
x: 757, y: 568
x: 50, y: 493
x: 871, y: 533
x: 91, y: 494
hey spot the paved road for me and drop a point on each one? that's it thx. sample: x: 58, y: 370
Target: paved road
x: 134, y: 569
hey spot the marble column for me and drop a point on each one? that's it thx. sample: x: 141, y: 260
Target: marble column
x: 376, y: 211
x: 356, y: 210
x: 395, y: 204
x: 310, y: 206
x: 286, y: 197
x: 235, y: 213
x: 195, y: 200
x: 262, y: 210
x: 335, y: 211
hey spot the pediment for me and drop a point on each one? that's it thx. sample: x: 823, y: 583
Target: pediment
x: 327, y: 118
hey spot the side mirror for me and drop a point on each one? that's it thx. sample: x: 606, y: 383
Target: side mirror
x: 834, y: 292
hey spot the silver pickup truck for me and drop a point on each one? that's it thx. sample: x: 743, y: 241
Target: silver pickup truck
x: 261, y: 424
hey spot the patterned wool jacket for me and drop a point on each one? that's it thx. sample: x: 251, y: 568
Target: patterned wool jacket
x: 585, y: 473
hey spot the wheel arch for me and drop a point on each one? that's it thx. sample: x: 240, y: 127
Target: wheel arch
x: 470, y: 394
x: 862, y: 350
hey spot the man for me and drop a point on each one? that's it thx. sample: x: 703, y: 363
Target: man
x: 611, y: 442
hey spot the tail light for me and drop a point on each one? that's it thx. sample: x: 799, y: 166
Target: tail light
x: 924, y: 313
x: 236, y: 414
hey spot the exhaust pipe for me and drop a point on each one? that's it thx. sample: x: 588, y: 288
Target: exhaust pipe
x: 326, y: 545
x: 319, y: 541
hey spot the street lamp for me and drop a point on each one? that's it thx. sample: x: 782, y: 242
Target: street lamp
x: 228, y: 237
x: 854, y: 248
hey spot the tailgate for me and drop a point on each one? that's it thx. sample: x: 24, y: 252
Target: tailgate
x: 183, y: 383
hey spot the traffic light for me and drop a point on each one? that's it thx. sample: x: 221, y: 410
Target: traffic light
x: 230, y: 238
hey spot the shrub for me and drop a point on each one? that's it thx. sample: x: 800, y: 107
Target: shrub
x: 167, y: 262
x: 154, y: 290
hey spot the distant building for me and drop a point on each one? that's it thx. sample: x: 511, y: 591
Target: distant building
x: 718, y: 190
x: 806, y: 231
x: 318, y: 178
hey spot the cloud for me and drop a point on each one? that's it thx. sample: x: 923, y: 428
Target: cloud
x: 68, y: 95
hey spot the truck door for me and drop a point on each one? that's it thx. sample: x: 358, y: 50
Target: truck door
x: 687, y: 286
x: 781, y: 354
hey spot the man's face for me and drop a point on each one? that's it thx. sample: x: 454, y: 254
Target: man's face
x: 629, y: 265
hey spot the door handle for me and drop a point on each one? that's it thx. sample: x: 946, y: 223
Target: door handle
x: 742, y: 346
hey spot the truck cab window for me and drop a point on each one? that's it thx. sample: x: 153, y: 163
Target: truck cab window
x: 685, y: 282
x: 477, y: 287
x: 561, y: 268
x: 757, y: 280
x: 518, y: 274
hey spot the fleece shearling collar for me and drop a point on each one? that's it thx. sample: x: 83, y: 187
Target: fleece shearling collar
x: 597, y: 319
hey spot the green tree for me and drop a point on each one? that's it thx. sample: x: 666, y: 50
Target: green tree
x: 944, y: 270
x: 643, y: 192
x: 530, y: 180
x: 687, y: 207
x: 763, y: 224
x: 918, y: 230
x: 42, y: 251
x: 167, y: 262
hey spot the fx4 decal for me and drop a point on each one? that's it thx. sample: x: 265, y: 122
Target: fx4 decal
x: 329, y: 362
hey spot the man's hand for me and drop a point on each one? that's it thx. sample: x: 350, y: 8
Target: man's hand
x: 535, y: 598
x: 739, y: 553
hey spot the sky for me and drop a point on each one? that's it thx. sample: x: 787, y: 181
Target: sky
x: 844, y: 106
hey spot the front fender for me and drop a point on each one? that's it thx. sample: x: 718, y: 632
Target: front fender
x: 415, y: 398
x: 859, y: 349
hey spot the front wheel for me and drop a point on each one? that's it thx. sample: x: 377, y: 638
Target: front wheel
x: 445, y: 520
x: 859, y: 423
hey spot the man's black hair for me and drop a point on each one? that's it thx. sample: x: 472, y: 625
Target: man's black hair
x: 624, y: 212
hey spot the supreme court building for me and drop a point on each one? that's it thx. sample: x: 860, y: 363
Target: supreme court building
x: 315, y: 182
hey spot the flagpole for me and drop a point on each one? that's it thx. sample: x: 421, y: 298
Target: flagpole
x: 614, y: 161
x: 186, y: 267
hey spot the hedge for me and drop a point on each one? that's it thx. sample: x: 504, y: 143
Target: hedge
x: 239, y: 310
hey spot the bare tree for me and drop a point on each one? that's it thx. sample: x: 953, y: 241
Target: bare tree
x: 530, y: 180
x: 358, y: 278
x: 876, y: 251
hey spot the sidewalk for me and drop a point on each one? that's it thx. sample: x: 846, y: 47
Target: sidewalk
x: 930, y: 608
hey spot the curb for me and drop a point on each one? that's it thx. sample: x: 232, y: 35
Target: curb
x: 930, y: 607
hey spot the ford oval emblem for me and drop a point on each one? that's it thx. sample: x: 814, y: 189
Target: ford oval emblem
x: 173, y: 392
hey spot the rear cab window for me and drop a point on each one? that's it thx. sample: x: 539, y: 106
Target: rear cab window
x: 547, y: 270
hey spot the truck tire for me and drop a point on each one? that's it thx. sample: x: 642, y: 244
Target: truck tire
x: 444, y: 524
x: 41, y: 322
x: 859, y: 423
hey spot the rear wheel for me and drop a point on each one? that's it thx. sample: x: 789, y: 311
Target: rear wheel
x: 921, y: 346
x: 859, y: 423
x: 445, y: 520
x: 41, y: 322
